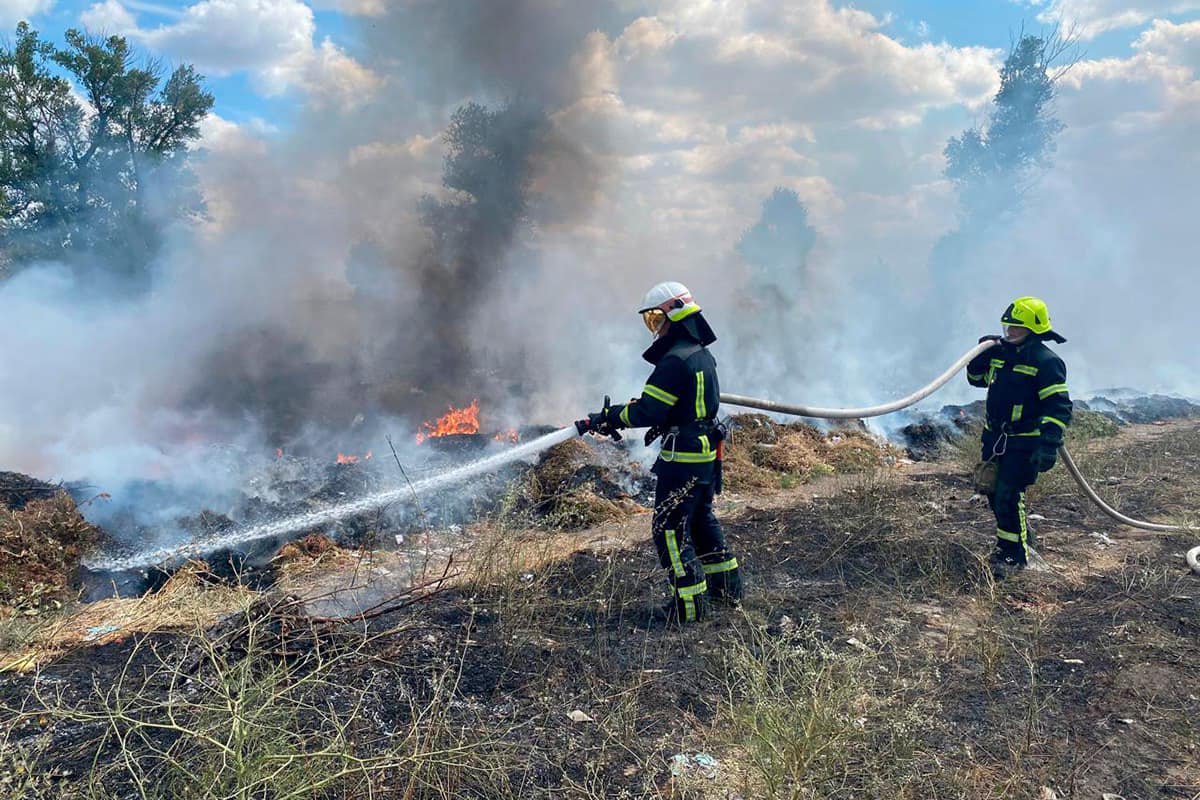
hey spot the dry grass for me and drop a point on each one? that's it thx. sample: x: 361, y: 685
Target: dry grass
x: 185, y: 603
x: 761, y: 453
x: 850, y: 727
x: 259, y: 708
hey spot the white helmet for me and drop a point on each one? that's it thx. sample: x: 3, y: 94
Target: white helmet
x: 672, y: 298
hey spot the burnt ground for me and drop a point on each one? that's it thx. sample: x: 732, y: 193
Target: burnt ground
x: 875, y: 657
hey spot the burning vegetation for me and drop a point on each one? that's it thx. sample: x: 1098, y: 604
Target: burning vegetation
x: 455, y: 422
x: 488, y: 640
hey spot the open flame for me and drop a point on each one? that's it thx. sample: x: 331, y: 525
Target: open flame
x: 455, y: 421
x: 509, y: 436
x: 342, y: 458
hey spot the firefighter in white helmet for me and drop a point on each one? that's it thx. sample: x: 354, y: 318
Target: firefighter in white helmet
x: 679, y: 405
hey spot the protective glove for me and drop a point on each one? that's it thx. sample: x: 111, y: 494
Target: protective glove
x: 991, y: 337
x: 1044, y: 457
x: 591, y: 424
x: 599, y: 423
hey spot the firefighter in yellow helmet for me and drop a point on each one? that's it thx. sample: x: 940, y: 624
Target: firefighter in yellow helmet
x: 679, y: 405
x: 1028, y: 411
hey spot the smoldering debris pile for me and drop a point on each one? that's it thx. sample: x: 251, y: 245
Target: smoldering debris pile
x: 16, y: 490
x: 761, y: 453
x: 581, y: 483
x: 1126, y: 407
x: 575, y: 486
x: 42, y: 537
x: 288, y: 486
x: 928, y: 437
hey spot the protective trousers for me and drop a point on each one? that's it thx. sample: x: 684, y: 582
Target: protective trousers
x: 691, y: 546
x: 1017, y: 473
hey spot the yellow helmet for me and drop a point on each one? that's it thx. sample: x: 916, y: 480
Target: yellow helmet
x: 1031, y: 313
x: 1028, y: 312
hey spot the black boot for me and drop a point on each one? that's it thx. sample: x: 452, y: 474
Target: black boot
x: 723, y: 575
x: 1004, y: 563
x: 726, y: 587
x: 693, y: 607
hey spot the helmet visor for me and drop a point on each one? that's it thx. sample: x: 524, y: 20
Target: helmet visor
x: 654, y: 318
x: 1016, y: 333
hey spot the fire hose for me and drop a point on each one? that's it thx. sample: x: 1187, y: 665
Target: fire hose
x: 1193, y: 555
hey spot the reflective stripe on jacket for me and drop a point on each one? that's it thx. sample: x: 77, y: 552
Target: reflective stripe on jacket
x: 1027, y: 393
x: 683, y: 392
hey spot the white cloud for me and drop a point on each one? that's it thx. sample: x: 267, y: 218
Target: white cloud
x: 108, y: 17
x: 326, y: 73
x: 13, y: 11
x: 218, y: 134
x: 272, y: 39
x: 809, y: 60
x: 1094, y: 17
x: 224, y: 36
x: 708, y: 106
x: 1178, y: 45
x: 1161, y: 71
x: 363, y: 8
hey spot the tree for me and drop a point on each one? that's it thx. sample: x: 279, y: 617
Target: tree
x: 474, y: 226
x: 777, y: 249
x: 992, y: 166
x: 488, y: 168
x: 777, y: 246
x: 92, y: 150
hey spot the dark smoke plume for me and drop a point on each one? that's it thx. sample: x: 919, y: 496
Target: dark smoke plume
x: 342, y: 283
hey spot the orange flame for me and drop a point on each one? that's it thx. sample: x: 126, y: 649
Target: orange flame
x: 342, y: 458
x: 510, y: 436
x: 455, y: 421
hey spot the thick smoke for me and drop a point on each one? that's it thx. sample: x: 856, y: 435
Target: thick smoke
x: 357, y: 277
x: 450, y: 238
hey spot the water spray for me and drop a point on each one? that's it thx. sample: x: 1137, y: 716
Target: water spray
x: 335, y: 512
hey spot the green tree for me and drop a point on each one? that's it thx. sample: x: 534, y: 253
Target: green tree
x: 475, y: 229
x: 91, y: 151
x: 776, y: 297
x: 778, y: 245
x: 993, y: 165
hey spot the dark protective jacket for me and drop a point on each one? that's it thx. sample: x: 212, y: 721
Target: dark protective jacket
x: 1027, y: 394
x: 680, y: 398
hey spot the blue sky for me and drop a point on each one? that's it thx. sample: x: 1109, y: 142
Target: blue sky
x: 237, y: 98
x: 986, y: 22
